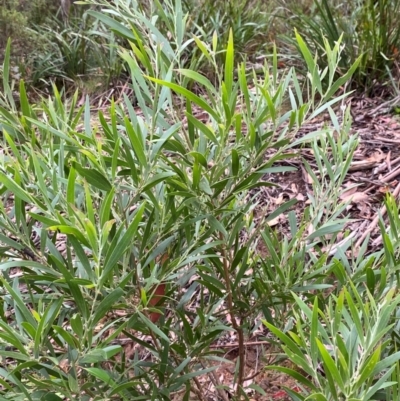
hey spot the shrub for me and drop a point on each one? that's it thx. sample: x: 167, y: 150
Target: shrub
x: 139, y: 227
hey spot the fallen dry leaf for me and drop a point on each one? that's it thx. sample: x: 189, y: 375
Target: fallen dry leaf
x: 276, y: 220
x: 356, y: 197
x: 377, y: 156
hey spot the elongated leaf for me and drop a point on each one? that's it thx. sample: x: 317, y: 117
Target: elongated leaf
x: 229, y: 60
x: 118, y: 248
x: 201, y: 79
x: 343, y: 79
x: 311, y: 64
x: 102, y: 375
x: 19, y: 303
x: 156, y: 179
x: 115, y: 26
x: 331, y: 370
x: 293, y: 373
x: 69, y: 230
x: 189, y: 95
x: 153, y: 327
x: 74, y: 288
x: 12, y: 186
x: 203, y: 128
x: 203, y: 48
x: 45, y: 325
x: 93, y: 177
x: 136, y: 142
x: 106, y: 304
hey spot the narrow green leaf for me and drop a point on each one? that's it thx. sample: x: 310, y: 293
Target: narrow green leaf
x: 235, y: 162
x: 203, y: 128
x: 343, y: 79
x: 45, y: 325
x: 293, y: 373
x: 102, y: 375
x: 201, y: 79
x: 19, y: 303
x: 25, y: 107
x: 69, y: 230
x: 51, y: 397
x: 6, y: 75
x: 229, y: 60
x: 365, y: 375
x: 311, y: 64
x: 106, y: 304
x: 137, y: 143
x: 71, y: 191
x: 115, y: 26
x: 314, y: 333
x: 77, y: 325
x: 93, y: 177
x: 189, y: 95
x: 72, y: 341
x: 156, y: 179
x: 286, y: 340
x: 386, y: 363
x: 119, y: 246
x: 202, y: 48
x: 74, y: 288
x: 331, y: 370
x: 153, y: 327
x: 12, y: 186
x: 87, y: 118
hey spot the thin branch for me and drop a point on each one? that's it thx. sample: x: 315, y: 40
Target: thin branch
x: 213, y: 377
x: 236, y: 327
x: 236, y: 345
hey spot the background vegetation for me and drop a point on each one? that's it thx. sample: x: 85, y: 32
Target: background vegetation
x: 141, y: 223
x: 49, y: 45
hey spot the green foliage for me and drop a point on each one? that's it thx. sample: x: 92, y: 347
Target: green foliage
x: 250, y: 21
x: 48, y: 48
x: 345, y: 345
x: 16, y: 19
x: 11, y: 22
x: 369, y: 30
x: 81, y: 50
x: 138, y: 225
x: 343, y: 349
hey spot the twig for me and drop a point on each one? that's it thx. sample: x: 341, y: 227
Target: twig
x: 389, y: 103
x: 236, y: 345
x: 213, y: 377
x: 198, y: 390
x: 257, y: 372
x: 387, y: 140
x: 254, y: 375
x: 236, y: 327
x: 392, y: 174
x: 340, y: 244
x: 375, y: 221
